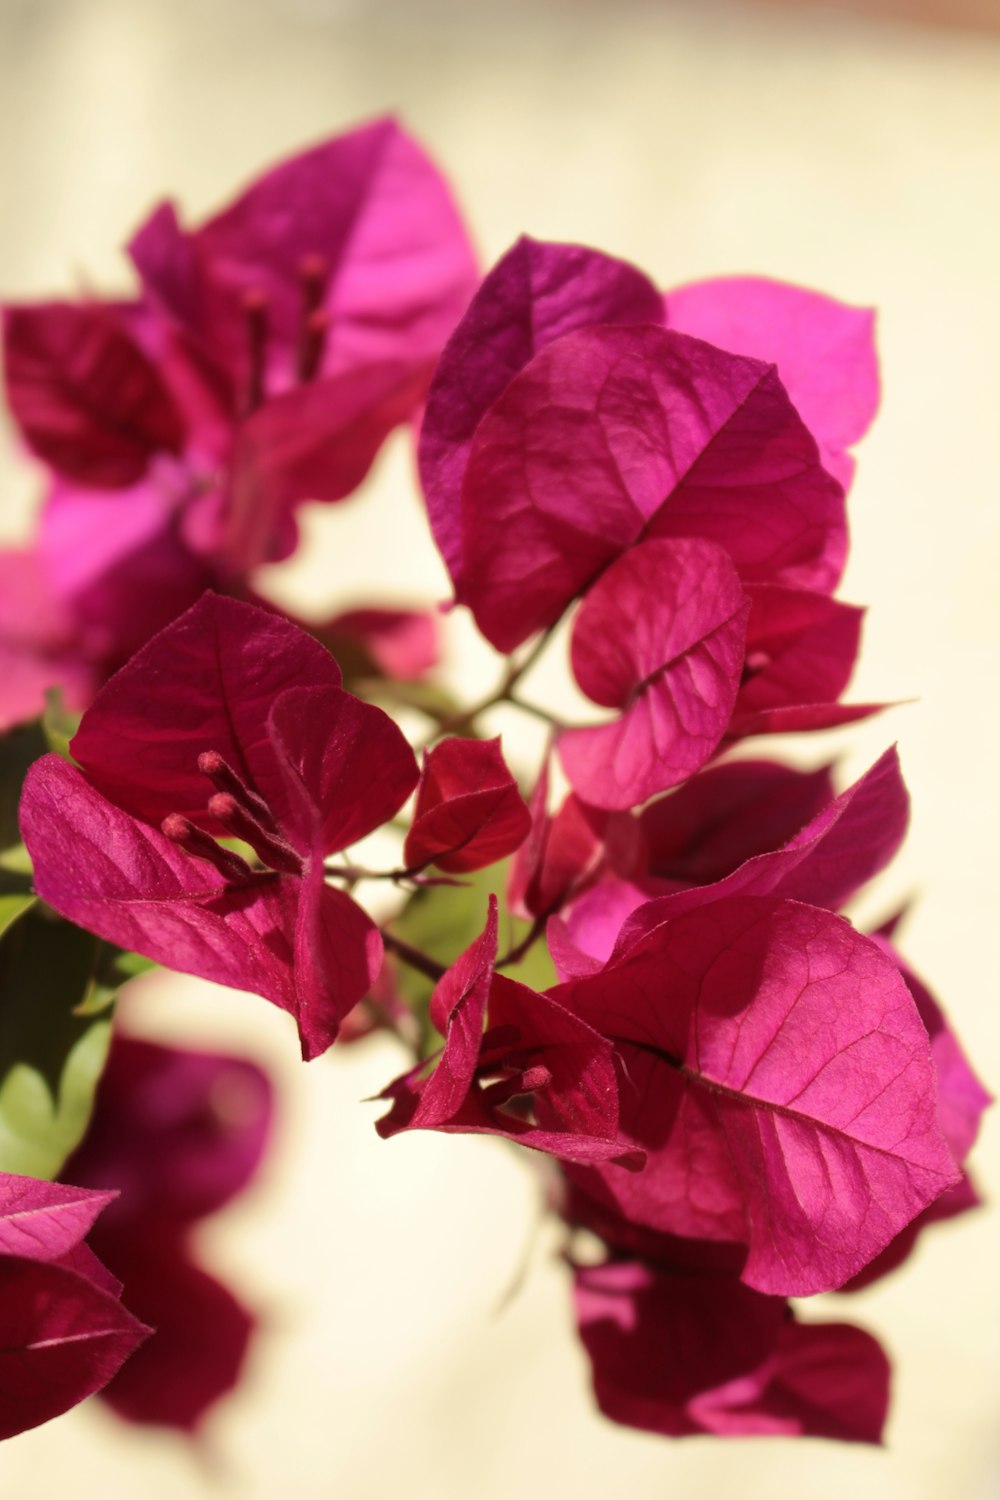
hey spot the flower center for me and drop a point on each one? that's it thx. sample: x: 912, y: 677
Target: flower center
x: 244, y: 814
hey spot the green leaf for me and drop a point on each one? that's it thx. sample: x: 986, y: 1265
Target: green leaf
x: 58, y: 724
x: 443, y: 920
x: 113, y: 969
x: 50, y: 1058
x: 18, y: 749
x: 13, y: 906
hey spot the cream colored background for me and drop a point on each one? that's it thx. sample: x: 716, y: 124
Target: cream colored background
x: 860, y: 158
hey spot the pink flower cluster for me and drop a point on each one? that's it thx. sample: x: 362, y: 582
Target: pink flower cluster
x: 748, y: 1099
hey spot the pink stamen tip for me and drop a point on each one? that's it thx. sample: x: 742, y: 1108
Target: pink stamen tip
x: 176, y: 828
x: 210, y: 763
x: 223, y: 806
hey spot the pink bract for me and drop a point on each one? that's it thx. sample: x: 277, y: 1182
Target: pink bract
x: 769, y: 1043
x: 469, y: 812
x: 534, y: 294
x: 531, y: 1047
x: 824, y: 350
x: 660, y: 637
x: 63, y: 1330
x: 612, y: 435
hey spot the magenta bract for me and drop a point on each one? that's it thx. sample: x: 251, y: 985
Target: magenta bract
x: 781, y: 1051
x: 356, y: 242
x: 231, y: 722
x: 469, y: 812
x: 824, y: 351
x: 533, y: 295
x: 680, y: 1353
x: 611, y: 435
x: 660, y: 637
x: 531, y: 1048
x: 63, y: 1331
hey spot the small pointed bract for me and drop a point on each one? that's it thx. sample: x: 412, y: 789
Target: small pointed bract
x: 469, y: 811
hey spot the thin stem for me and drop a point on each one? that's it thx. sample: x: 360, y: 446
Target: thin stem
x: 535, y: 710
x: 422, y: 962
x: 515, y: 954
x: 501, y: 693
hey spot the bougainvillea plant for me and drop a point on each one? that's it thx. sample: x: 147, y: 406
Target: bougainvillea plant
x: 735, y: 1097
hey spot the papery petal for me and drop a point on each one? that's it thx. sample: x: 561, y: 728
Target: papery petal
x: 824, y: 350
x: 457, y: 1009
x: 127, y: 883
x: 118, y: 563
x: 346, y: 767
x: 469, y: 811
x: 534, y: 294
x: 612, y: 434
x: 659, y: 636
x: 780, y: 1075
x: 827, y: 1380
x: 206, y: 682
x: 87, y: 400
x: 560, y: 854
x: 45, y: 1221
x: 702, y: 831
x: 62, y: 1338
x: 338, y: 954
x: 824, y: 864
x: 801, y: 648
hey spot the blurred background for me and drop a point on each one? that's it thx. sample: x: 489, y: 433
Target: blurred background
x: 854, y: 148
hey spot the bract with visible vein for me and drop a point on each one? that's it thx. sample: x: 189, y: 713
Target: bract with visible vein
x: 660, y: 637
x: 298, y: 772
x: 837, y: 851
x: 781, y: 1085
x: 533, y: 295
x: 824, y: 350
x: 205, y: 683
x: 532, y: 1048
x: 63, y: 1331
x: 611, y: 435
x: 702, y: 831
x: 44, y: 1221
x: 961, y: 1102
x: 469, y: 811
